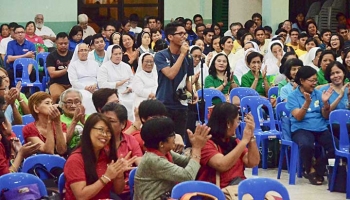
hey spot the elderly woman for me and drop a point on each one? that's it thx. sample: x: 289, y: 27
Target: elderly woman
x: 93, y: 170
x: 47, y: 129
x: 73, y: 115
x: 82, y: 74
x: 83, y: 22
x: 220, y: 76
x: 326, y: 57
x: 145, y: 82
x: 75, y: 37
x: 114, y: 73
x: 224, y: 153
x: 310, y: 109
x: 161, y: 168
x: 118, y: 117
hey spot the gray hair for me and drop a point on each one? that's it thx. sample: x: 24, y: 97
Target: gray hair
x: 83, y: 18
x: 37, y: 16
x: 63, y: 95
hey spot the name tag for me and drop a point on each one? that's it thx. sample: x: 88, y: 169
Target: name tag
x: 25, y: 50
x: 317, y: 103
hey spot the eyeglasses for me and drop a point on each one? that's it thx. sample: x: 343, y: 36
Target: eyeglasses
x: 312, y: 81
x: 197, y: 57
x: 22, y: 32
x: 70, y: 103
x: 335, y: 39
x: 83, y: 50
x: 181, y: 34
x: 101, y: 131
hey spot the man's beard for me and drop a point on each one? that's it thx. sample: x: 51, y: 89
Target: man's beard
x: 39, y: 25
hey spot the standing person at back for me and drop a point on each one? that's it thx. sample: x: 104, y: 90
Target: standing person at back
x: 57, y: 65
x: 174, y: 67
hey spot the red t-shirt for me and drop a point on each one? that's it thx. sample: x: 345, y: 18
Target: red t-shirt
x: 4, y: 162
x: 127, y: 144
x: 137, y: 136
x: 30, y: 130
x: 208, y: 174
x: 74, y: 171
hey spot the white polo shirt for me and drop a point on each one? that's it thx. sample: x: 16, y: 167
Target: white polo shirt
x: 46, y: 31
x: 3, y: 44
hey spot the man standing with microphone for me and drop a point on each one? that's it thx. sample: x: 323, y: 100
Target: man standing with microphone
x: 174, y: 66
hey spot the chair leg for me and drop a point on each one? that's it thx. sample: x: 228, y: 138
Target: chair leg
x: 293, y: 164
x: 287, y: 158
x: 265, y: 152
x: 255, y: 169
x: 280, y: 161
x: 335, y: 168
x: 299, y: 166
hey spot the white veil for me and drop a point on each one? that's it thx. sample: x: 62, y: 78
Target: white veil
x: 139, y: 66
x: 109, y: 53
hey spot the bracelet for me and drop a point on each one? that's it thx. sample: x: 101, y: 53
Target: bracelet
x: 102, y: 181
x: 134, y: 127
x: 303, y: 108
x: 106, y: 177
x: 195, y: 156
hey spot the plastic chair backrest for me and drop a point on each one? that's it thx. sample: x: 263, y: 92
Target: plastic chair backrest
x: 25, y: 75
x: 47, y: 160
x: 272, y: 91
x: 42, y: 56
x: 258, y: 187
x: 26, y: 119
x: 196, y: 186
x: 241, y: 92
x: 280, y: 109
x: 209, y: 94
x: 61, y: 183
x: 14, y: 180
x: 131, y: 181
x: 17, y: 129
x: 254, y: 103
x: 342, y: 117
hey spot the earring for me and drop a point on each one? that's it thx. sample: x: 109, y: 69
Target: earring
x: 228, y: 126
x: 161, y: 146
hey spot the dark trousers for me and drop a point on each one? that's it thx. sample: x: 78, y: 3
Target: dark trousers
x: 306, y: 142
x: 180, y: 120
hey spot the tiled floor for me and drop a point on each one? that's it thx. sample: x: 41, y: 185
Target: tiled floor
x: 302, y: 190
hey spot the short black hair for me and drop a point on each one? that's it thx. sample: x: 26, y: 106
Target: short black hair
x: 294, y: 30
x: 151, y: 17
x: 254, y: 55
x: 325, y: 52
x: 242, y: 31
x: 197, y: 15
x: 259, y: 29
x: 61, y: 35
x: 208, y: 30
x: 243, y: 37
x: 18, y: 26
x: 12, y: 25
x: 75, y: 30
x: 134, y: 17
x: 326, y: 30
x: 171, y: 28
x: 118, y: 109
x: 304, y: 73
x: 88, y: 40
x: 199, y: 25
x: 157, y: 130
x: 289, y: 64
x: 280, y: 30
x: 160, y: 45
x: 248, y: 24
x: 302, y: 35
x: 236, y: 24
x: 341, y: 26
x: 340, y: 14
x: 311, y: 39
x: 268, y: 28
x: 100, y: 97
x: 284, y: 59
x: 95, y: 37
x: 151, y: 108
x: 110, y: 23
x: 327, y: 73
x: 258, y: 15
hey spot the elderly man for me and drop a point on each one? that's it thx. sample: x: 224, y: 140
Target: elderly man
x: 45, y: 32
x: 83, y: 22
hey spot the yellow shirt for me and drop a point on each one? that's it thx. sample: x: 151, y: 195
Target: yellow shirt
x: 236, y: 47
x: 294, y: 47
x: 300, y: 52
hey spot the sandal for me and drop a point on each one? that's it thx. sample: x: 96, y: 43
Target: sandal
x: 314, y: 179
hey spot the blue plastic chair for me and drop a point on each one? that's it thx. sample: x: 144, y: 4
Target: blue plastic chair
x: 26, y: 119
x: 46, y: 78
x: 209, y: 94
x: 61, y: 184
x: 196, y: 186
x: 48, y: 161
x: 14, y: 180
x: 131, y: 182
x: 272, y: 91
x: 17, y: 129
x: 253, y: 104
x: 258, y: 187
x: 292, y: 166
x: 24, y: 62
x: 241, y: 92
x: 342, y: 117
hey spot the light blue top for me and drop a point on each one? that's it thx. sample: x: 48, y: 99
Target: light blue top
x: 285, y: 91
x: 313, y: 119
x: 9, y: 114
x: 343, y: 104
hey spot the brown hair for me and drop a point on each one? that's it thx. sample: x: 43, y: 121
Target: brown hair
x: 35, y: 100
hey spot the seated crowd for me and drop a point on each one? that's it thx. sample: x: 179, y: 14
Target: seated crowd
x: 115, y: 100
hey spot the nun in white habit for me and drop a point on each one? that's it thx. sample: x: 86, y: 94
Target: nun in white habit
x: 272, y: 60
x: 82, y: 74
x: 145, y: 82
x: 309, y: 58
x: 114, y: 73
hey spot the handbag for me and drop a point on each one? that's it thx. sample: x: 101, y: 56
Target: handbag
x: 340, y: 178
x: 30, y: 192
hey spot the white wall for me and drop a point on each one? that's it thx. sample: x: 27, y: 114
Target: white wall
x: 187, y: 8
x: 242, y: 11
x: 24, y: 10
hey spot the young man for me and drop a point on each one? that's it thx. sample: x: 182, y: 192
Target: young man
x: 19, y: 48
x: 344, y: 32
x: 302, y: 39
x: 45, y: 32
x: 268, y: 32
x: 134, y: 20
x: 207, y: 36
x: 200, y: 30
x: 234, y: 27
x: 257, y: 18
x: 341, y: 18
x: 174, y: 68
x: 57, y: 65
x: 325, y: 38
x: 197, y: 19
x: 260, y: 36
x: 108, y: 29
x: 99, y: 52
x: 152, y: 23
x: 294, y: 34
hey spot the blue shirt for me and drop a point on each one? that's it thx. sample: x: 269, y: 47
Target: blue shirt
x: 166, y: 87
x: 73, y: 44
x: 9, y: 114
x: 343, y: 103
x: 15, y: 49
x: 107, y: 43
x: 313, y: 119
x: 285, y: 91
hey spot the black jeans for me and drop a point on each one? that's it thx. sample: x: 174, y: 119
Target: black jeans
x: 306, y: 142
x: 180, y: 120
